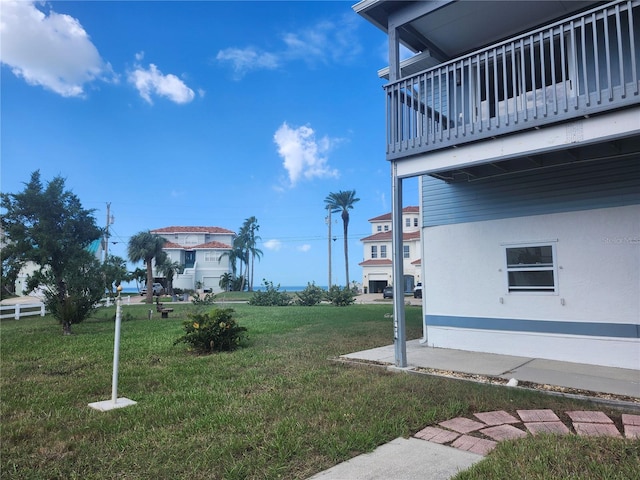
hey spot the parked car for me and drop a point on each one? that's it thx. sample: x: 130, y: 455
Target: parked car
x: 156, y: 287
x: 417, y: 291
x: 387, y: 292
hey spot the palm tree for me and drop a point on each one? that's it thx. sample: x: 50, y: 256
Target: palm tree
x: 169, y: 269
x: 249, y: 237
x: 145, y: 246
x: 343, y: 202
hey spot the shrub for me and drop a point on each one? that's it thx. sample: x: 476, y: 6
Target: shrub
x: 271, y: 296
x: 204, y: 301
x: 340, y: 297
x: 310, y: 296
x: 215, y: 331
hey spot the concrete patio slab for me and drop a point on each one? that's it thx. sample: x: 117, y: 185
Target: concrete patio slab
x: 499, y: 417
x: 437, y: 435
x: 462, y: 425
x: 540, y: 415
x: 503, y: 432
x: 589, y: 416
x: 403, y: 459
x: 557, y: 428
x: 474, y: 444
x: 596, y: 429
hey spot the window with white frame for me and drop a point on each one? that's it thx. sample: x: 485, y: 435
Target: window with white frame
x: 415, y: 222
x: 386, y: 228
x: 407, y: 222
x: 210, y: 257
x: 406, y: 253
x: 383, y: 251
x: 531, y: 267
x: 374, y: 251
x: 379, y: 228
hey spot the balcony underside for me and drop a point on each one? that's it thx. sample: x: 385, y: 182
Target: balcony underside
x: 609, y: 135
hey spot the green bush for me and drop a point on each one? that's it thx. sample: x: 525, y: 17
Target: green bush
x: 215, y: 331
x: 341, y: 297
x: 271, y: 296
x: 310, y: 296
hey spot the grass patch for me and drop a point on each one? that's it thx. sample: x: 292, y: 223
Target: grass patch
x: 561, y: 457
x: 279, y: 408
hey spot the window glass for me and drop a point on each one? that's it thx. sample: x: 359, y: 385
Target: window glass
x: 531, y: 268
x: 383, y: 251
x: 374, y: 251
x: 405, y: 251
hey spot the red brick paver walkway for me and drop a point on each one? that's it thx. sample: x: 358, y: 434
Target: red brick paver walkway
x: 483, y: 434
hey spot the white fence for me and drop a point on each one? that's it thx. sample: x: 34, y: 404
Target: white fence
x: 19, y: 310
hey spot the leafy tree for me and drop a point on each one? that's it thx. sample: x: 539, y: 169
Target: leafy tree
x: 343, y: 202
x: 114, y: 270
x: 145, y: 246
x: 48, y: 226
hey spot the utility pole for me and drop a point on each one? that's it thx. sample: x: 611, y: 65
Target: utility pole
x: 106, y: 232
x: 329, y: 243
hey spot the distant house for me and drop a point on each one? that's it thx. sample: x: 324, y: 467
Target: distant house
x: 377, y: 269
x: 525, y: 134
x: 202, y: 252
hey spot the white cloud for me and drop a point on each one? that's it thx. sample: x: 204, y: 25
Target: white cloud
x: 51, y: 50
x: 325, y: 42
x: 303, y: 156
x: 304, y: 248
x: 273, y: 244
x: 244, y: 60
x: 152, y: 81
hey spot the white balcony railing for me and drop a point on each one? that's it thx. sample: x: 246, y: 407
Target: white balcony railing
x: 580, y: 66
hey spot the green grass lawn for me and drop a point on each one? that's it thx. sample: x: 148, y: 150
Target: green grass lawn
x: 278, y: 408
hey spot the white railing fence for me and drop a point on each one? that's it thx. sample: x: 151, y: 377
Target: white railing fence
x: 20, y: 310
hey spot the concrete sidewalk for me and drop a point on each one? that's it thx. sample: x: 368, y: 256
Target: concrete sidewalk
x: 403, y: 459
x: 415, y: 458
x: 591, y: 378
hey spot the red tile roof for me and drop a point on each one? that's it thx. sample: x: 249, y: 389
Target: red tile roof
x: 386, y: 236
x: 369, y: 263
x: 387, y: 216
x: 193, y: 230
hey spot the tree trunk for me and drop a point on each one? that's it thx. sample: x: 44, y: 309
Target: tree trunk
x: 345, y: 223
x: 66, y: 328
x: 149, y: 299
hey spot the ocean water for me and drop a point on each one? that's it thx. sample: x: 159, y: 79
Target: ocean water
x: 294, y: 288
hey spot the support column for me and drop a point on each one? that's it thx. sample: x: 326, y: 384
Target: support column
x: 399, y: 331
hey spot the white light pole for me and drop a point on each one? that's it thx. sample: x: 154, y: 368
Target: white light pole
x: 115, y: 402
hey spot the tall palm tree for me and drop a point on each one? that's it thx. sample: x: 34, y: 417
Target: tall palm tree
x: 145, y: 246
x: 342, y: 202
x: 250, y: 239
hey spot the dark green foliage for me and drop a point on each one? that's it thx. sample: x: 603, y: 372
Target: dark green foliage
x: 47, y: 225
x: 271, y: 296
x: 310, y: 296
x: 216, y: 331
x: 341, y: 297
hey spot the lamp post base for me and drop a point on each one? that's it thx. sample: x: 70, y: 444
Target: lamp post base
x: 107, y: 405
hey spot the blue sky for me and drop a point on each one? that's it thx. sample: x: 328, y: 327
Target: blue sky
x: 203, y: 113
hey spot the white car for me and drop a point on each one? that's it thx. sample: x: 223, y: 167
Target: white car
x: 156, y: 287
x: 417, y: 291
